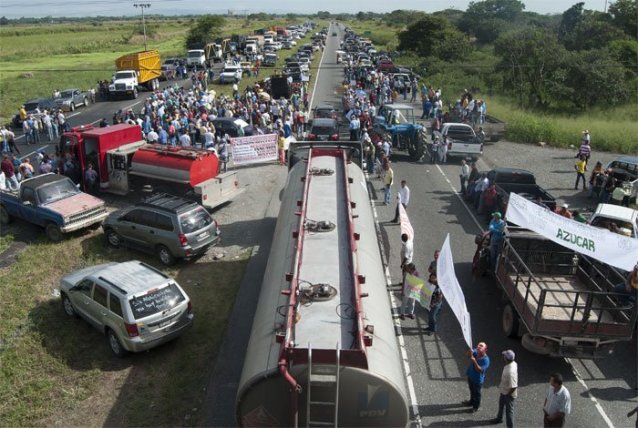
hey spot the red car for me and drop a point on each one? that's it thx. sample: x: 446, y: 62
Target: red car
x: 385, y: 65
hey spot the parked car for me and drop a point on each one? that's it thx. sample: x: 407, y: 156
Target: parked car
x: 461, y: 140
x: 324, y: 130
x: 324, y: 111
x: 169, y: 226
x: 69, y: 99
x: 135, y: 306
x: 230, y: 74
x: 169, y: 68
x: 621, y: 220
x: 625, y: 169
x: 270, y: 60
x: 32, y: 106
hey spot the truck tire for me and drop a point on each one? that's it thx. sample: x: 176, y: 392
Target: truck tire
x: 510, y: 321
x: 86, y: 101
x: 112, y: 238
x: 115, y: 344
x: 53, y: 232
x: 72, y: 107
x: 68, y: 306
x: 416, y: 148
x: 5, y: 218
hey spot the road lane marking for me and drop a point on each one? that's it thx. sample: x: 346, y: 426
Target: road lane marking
x: 580, y: 380
x: 397, y: 324
x: 314, y: 87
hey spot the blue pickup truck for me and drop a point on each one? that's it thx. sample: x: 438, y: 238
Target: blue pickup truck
x: 53, y: 202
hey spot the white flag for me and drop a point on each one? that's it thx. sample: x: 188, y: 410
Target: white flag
x: 452, y: 290
x: 406, y: 226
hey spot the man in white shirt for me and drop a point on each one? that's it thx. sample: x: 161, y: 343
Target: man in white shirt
x: 465, y: 175
x: 558, y: 403
x: 152, y: 137
x: 508, y: 389
x: 407, y: 253
x: 185, y: 139
x: 403, y: 198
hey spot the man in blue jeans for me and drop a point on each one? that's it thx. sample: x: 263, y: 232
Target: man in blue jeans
x: 496, y: 230
x: 435, y: 304
x: 479, y: 363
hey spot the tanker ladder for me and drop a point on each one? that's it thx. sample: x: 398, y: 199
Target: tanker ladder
x: 326, y: 379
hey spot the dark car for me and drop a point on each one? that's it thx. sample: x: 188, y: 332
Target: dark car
x: 325, y: 111
x: 39, y: 103
x: 233, y: 127
x: 324, y: 130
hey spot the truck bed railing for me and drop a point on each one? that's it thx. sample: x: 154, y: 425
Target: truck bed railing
x: 574, y: 297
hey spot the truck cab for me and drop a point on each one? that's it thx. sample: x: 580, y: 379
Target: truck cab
x: 196, y: 58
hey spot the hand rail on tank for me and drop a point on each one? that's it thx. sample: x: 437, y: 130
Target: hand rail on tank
x: 356, y: 278
x: 287, y: 344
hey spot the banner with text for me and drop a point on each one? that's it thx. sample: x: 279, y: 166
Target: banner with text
x: 452, y: 291
x: 419, y: 290
x: 254, y: 149
x: 601, y: 244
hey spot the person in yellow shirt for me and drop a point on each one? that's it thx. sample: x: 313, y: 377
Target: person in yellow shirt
x: 23, y: 114
x: 388, y: 181
x: 281, y: 143
x: 580, y: 167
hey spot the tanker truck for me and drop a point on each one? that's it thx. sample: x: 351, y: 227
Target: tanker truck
x: 125, y: 163
x: 322, y: 350
x: 135, y: 70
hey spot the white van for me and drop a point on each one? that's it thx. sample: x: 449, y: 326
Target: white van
x: 196, y: 58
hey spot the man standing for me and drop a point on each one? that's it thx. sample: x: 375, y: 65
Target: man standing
x: 436, y: 303
x: 585, y: 146
x: 408, y: 303
x: 403, y: 198
x: 508, y: 389
x: 479, y: 363
x: 497, y: 231
x: 558, y: 403
x: 388, y: 180
x: 580, y: 167
x: 354, y: 127
x: 465, y: 175
x: 407, y: 252
x: 9, y: 173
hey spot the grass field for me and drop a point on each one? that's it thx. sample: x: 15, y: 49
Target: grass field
x: 35, y: 60
x: 55, y: 369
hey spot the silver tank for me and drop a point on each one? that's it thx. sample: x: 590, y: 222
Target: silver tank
x: 370, y: 394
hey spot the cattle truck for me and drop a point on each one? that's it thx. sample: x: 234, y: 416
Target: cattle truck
x: 561, y: 302
x: 323, y: 349
x: 125, y: 163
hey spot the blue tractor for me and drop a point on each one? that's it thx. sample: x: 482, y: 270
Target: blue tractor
x: 397, y: 122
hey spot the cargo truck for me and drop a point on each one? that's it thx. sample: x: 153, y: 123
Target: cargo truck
x: 125, y: 163
x: 134, y: 71
x: 562, y: 302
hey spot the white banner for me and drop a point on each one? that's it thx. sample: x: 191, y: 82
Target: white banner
x: 406, y: 226
x: 601, y: 244
x: 254, y: 149
x: 452, y: 290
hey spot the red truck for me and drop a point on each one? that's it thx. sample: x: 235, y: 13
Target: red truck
x: 125, y: 162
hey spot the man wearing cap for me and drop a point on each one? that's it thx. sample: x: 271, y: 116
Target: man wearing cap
x: 563, y: 211
x: 508, y: 389
x: 496, y: 231
x: 479, y: 363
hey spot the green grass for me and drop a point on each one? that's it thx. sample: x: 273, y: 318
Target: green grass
x: 51, y: 364
x: 5, y: 242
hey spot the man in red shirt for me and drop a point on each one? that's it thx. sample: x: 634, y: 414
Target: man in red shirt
x: 6, y: 166
x: 489, y: 200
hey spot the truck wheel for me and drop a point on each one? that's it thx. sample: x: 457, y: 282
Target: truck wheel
x: 416, y: 148
x: 72, y: 107
x: 5, y: 218
x: 112, y: 238
x: 115, y: 345
x: 510, y: 321
x: 166, y: 257
x: 86, y: 101
x: 53, y: 232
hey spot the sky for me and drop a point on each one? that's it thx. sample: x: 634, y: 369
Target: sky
x: 78, y: 8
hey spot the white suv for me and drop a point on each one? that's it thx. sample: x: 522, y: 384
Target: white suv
x: 136, y: 306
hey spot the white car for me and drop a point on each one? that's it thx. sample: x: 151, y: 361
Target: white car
x: 230, y: 74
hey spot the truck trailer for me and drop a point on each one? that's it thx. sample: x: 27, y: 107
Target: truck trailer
x: 323, y: 351
x: 125, y: 163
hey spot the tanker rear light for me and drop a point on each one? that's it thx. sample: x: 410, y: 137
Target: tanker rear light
x: 183, y: 240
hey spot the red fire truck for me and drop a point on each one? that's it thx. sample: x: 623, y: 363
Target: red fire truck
x: 125, y: 163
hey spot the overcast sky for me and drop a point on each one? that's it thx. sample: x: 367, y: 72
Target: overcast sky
x: 76, y: 8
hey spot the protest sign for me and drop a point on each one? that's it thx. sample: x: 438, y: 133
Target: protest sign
x: 254, y: 149
x: 419, y: 290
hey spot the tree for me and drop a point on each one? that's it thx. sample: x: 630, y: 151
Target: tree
x: 533, y: 65
x: 322, y: 14
x: 207, y: 28
x: 434, y: 36
x: 594, y: 31
x: 625, y: 16
x: 486, y: 20
x: 571, y: 18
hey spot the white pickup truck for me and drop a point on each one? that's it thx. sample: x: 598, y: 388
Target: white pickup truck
x: 461, y: 140
x: 618, y: 219
x: 230, y: 74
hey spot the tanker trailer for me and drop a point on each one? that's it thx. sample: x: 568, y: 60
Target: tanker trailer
x: 322, y: 350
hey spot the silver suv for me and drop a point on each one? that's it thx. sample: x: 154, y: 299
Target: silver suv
x: 166, y: 225
x: 136, y: 306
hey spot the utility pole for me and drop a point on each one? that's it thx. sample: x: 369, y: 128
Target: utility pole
x: 143, y: 6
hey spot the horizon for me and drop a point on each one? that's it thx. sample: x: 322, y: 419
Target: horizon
x: 13, y: 9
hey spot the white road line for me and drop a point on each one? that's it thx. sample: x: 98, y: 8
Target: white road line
x: 580, y: 380
x: 314, y: 87
x: 397, y: 324
x: 600, y: 409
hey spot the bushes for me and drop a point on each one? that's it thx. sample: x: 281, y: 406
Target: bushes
x: 612, y: 130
